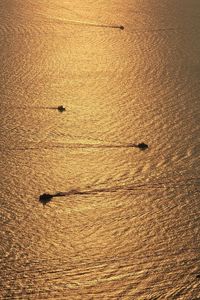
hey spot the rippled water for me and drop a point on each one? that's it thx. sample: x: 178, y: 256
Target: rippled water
x: 126, y: 223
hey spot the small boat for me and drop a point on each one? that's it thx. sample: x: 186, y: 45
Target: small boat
x: 121, y: 27
x: 45, y: 198
x: 61, y: 108
x: 142, y: 146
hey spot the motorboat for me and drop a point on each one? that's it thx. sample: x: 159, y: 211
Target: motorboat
x: 142, y: 146
x: 61, y: 108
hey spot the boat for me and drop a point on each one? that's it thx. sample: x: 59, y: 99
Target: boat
x: 142, y: 146
x: 45, y: 198
x: 61, y: 108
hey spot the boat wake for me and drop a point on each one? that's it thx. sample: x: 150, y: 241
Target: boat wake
x: 91, y: 24
x: 190, y: 182
x: 141, y: 146
x: 59, y: 108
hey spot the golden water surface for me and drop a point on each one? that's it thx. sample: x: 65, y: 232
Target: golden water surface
x: 127, y: 223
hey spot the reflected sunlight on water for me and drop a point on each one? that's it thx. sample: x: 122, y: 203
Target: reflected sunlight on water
x: 122, y: 223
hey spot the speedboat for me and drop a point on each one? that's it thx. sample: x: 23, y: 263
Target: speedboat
x: 61, y: 108
x: 142, y: 146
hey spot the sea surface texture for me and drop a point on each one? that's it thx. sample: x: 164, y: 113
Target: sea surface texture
x: 125, y: 222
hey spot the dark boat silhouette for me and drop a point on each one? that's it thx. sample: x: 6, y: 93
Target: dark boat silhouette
x: 61, y: 108
x: 121, y: 27
x: 45, y: 198
x: 142, y: 146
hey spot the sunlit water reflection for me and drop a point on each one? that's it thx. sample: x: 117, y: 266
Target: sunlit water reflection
x: 124, y: 223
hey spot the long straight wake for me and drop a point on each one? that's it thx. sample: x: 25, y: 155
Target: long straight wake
x: 74, y: 22
x: 73, y: 146
x: 190, y: 182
